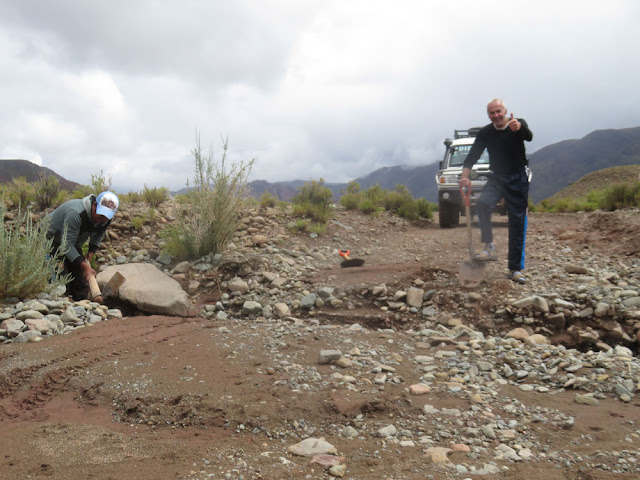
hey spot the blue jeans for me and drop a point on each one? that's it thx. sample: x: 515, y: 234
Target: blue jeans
x: 514, y: 188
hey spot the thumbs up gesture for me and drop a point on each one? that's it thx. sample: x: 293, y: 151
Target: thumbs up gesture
x: 514, y: 124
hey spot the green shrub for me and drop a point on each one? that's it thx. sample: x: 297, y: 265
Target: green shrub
x: 131, y: 197
x: 26, y: 266
x: 267, y: 200
x: 47, y: 191
x: 350, y: 201
x: 424, y: 209
x: 368, y: 206
x: 210, y: 213
x: 313, y: 201
x: 100, y: 182
x: 621, y: 196
x: 21, y: 192
x: 155, y: 196
x: 82, y: 191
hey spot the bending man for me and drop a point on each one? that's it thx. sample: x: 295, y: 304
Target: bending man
x: 82, y: 219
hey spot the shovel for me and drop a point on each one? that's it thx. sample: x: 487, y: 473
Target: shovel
x: 109, y: 290
x: 349, y: 262
x: 471, y: 271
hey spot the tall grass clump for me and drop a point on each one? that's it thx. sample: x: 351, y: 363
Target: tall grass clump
x: 21, y: 192
x: 267, y: 199
x: 26, y: 266
x: 621, y: 196
x: 155, y: 196
x: 100, y: 182
x: 210, y: 212
x: 313, y: 201
x: 47, y: 191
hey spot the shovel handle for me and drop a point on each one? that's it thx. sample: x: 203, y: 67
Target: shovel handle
x: 466, y: 196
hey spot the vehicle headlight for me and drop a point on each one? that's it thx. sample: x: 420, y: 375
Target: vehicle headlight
x: 448, y: 179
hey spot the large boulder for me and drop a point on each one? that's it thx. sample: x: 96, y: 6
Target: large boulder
x: 148, y: 289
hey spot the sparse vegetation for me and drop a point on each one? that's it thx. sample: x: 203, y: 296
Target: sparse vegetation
x: 267, y: 200
x: 100, y: 182
x: 623, y: 195
x: 47, y: 192
x: 21, y: 192
x: 313, y: 202
x: 376, y: 199
x: 26, y: 267
x: 155, y: 196
x: 210, y: 213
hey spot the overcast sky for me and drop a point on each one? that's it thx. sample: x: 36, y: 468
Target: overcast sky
x: 311, y: 89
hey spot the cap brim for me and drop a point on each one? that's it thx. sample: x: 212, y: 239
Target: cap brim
x: 107, y: 212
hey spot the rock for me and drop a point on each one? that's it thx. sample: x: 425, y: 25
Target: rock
x: 586, y: 399
x: 439, y: 455
x: 41, y: 325
x: 518, y: 333
x: 148, y: 289
x: 251, y: 307
x: 328, y: 356
x: 182, y: 267
x: 28, y: 314
x: 238, y: 285
x: 312, y: 446
x: 12, y: 326
x: 338, y: 470
x: 414, y: 297
x: 387, y: 431
x: 576, y: 269
x: 282, y: 309
x: 419, y: 389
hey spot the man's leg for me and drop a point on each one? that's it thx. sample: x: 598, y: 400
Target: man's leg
x: 78, y: 287
x: 517, y: 199
x: 491, y: 195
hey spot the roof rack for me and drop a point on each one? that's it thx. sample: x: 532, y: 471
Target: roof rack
x: 470, y: 132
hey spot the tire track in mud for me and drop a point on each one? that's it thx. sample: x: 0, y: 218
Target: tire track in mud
x: 21, y: 393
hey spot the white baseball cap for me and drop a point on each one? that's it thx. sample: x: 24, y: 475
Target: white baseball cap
x: 107, y: 204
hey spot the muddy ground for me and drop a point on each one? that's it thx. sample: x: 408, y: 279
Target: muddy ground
x: 152, y: 397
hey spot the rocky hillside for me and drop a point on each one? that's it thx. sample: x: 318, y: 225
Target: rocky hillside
x: 10, y: 169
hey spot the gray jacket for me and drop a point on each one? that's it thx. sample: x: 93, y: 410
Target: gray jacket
x: 75, y: 217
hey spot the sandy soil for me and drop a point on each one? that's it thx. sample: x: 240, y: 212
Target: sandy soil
x: 155, y: 397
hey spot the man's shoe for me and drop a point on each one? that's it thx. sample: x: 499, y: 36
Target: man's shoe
x: 517, y: 277
x: 485, y: 255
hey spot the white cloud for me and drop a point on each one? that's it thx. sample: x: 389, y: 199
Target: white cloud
x: 331, y: 89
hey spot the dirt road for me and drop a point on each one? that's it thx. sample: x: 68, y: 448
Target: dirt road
x: 192, y: 398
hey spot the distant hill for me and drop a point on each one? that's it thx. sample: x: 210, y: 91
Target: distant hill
x: 10, y: 169
x: 560, y: 164
x: 599, y: 180
x: 554, y: 167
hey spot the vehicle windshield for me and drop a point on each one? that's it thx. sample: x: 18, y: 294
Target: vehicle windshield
x: 459, y: 154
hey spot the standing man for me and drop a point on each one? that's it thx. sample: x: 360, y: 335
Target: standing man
x: 504, y: 138
x: 74, y: 222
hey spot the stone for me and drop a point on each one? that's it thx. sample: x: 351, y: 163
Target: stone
x: 419, y: 389
x: 414, y: 297
x: 439, y: 455
x: 238, y: 285
x: 328, y: 356
x: 148, y: 289
x: 312, y: 446
x: 251, y: 307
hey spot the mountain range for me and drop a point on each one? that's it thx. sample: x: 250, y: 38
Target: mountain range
x: 554, y: 167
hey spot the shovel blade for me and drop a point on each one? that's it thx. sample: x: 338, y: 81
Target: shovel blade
x: 471, y: 273
x: 354, y: 262
x: 113, y: 285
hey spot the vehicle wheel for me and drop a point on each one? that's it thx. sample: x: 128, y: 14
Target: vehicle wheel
x: 448, y: 215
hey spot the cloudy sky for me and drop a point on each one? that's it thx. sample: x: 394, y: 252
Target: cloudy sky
x: 310, y: 89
